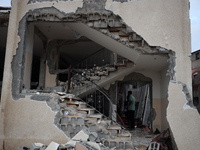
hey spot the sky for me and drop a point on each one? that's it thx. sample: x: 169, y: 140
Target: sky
x: 194, y: 17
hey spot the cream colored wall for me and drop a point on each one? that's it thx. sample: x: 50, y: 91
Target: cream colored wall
x: 28, y: 121
x: 159, y: 22
x: 24, y: 121
x: 167, y: 24
x: 184, y: 123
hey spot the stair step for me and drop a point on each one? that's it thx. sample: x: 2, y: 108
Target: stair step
x: 71, y: 105
x: 77, y: 103
x: 114, y: 127
x: 90, y: 111
x: 98, y: 116
x: 114, y: 30
x: 135, y: 40
x: 104, y: 122
x: 124, y: 35
x: 124, y: 133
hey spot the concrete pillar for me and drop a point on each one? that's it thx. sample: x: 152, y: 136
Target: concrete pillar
x: 42, y: 71
x: 50, y: 79
x: 28, y: 57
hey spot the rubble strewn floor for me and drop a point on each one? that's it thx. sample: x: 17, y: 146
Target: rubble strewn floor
x: 141, y: 138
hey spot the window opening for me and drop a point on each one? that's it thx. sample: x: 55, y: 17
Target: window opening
x: 197, y: 55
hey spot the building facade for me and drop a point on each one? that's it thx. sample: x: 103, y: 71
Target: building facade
x: 52, y: 44
x: 195, y: 78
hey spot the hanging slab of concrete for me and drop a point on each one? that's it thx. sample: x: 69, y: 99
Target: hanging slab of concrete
x: 52, y: 146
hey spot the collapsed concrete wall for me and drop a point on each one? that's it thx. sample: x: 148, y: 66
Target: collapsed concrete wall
x: 164, y: 33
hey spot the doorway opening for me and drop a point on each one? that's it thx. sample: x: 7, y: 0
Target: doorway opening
x: 142, y: 91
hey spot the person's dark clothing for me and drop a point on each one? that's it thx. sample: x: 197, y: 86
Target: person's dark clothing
x: 131, y: 114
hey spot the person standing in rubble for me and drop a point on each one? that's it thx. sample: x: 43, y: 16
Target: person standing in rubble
x: 131, y: 110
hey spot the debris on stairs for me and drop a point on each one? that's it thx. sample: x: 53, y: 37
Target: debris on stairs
x: 85, y: 127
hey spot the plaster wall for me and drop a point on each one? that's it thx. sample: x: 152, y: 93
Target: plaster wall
x: 24, y: 121
x: 163, y: 23
x: 28, y: 121
x: 168, y: 26
x: 184, y: 123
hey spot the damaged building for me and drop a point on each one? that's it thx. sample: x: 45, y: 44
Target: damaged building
x: 67, y: 66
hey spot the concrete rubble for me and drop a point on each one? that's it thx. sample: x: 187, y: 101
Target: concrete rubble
x: 80, y: 141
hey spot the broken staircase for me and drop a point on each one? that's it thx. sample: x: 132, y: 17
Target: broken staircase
x: 76, y: 116
x: 86, y: 81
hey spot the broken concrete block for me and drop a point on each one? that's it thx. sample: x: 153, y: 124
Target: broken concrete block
x: 113, y: 144
x: 93, y: 136
x: 81, y: 136
x: 52, y: 146
x: 62, y: 105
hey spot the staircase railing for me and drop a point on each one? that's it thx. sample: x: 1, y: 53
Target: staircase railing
x: 98, y: 103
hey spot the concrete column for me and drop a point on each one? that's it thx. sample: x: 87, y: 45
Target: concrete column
x: 42, y: 71
x: 28, y: 57
x: 50, y: 79
x: 115, y: 58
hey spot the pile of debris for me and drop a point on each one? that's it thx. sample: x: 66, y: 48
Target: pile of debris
x: 79, y: 142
